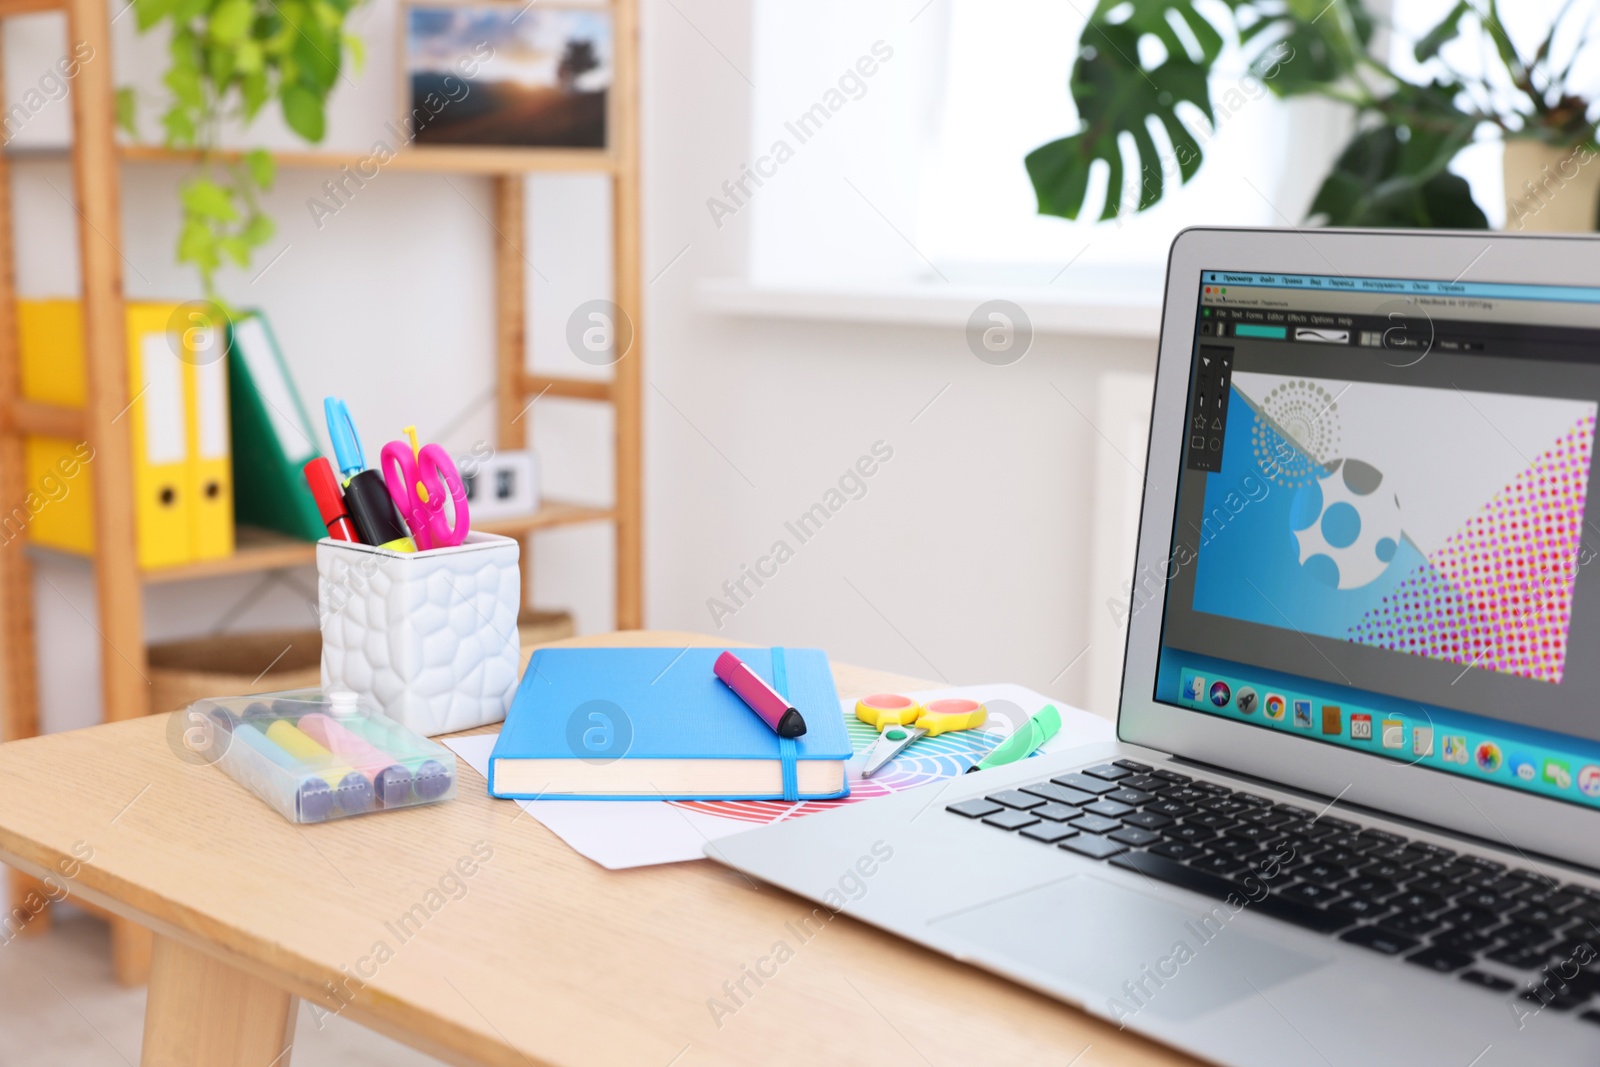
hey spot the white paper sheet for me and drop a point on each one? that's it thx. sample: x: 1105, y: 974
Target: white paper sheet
x: 637, y: 833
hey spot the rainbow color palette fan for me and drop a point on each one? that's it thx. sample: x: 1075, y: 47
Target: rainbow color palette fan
x: 930, y: 759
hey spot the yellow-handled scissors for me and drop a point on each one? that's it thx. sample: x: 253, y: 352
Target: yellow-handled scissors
x: 901, y: 720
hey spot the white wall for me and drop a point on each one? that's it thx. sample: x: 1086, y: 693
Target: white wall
x: 969, y: 558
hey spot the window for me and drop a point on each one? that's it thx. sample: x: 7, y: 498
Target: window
x: 919, y: 175
x: 1006, y: 94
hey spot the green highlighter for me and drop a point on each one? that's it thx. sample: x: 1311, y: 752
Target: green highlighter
x: 1035, y: 732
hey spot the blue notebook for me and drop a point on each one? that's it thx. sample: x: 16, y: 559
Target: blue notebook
x: 657, y: 724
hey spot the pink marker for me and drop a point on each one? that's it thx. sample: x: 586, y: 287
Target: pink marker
x: 762, y: 698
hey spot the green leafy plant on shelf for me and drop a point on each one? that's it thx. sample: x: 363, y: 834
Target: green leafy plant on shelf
x: 230, y: 59
x: 1134, y: 69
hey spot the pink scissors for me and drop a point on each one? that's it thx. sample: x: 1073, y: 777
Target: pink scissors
x: 419, y: 482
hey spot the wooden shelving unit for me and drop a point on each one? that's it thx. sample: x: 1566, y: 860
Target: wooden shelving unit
x: 265, y: 550
x: 97, y: 159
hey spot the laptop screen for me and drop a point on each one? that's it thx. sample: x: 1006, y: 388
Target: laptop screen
x: 1386, y: 521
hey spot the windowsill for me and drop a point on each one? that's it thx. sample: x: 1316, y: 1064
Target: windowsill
x: 1129, y: 309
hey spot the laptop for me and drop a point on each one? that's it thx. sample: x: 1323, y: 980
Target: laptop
x: 1353, y: 812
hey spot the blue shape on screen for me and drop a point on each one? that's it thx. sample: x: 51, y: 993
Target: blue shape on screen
x: 1306, y: 506
x: 1249, y: 560
x: 1322, y: 570
x: 1384, y: 548
x: 1341, y: 525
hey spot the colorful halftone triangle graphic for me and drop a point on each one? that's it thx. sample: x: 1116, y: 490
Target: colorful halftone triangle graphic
x: 1498, y: 594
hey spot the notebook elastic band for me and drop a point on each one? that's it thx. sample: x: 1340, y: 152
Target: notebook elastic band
x: 788, y: 747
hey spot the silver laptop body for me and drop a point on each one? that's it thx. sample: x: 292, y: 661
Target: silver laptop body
x: 1353, y: 814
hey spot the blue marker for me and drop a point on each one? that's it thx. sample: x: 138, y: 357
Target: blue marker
x: 346, y: 442
x: 372, y: 509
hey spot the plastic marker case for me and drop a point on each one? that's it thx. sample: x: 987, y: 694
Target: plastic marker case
x: 314, y: 757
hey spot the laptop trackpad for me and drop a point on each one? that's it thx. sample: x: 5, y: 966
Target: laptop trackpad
x: 1129, y: 952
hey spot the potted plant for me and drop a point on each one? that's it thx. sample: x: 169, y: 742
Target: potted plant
x: 230, y: 59
x: 1134, y: 68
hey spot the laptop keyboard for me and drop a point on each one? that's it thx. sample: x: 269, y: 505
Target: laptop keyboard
x: 1447, y: 912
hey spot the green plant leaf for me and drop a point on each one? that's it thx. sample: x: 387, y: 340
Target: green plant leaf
x: 128, y: 111
x: 259, y: 230
x: 302, y: 110
x: 1379, y: 181
x: 198, y: 245
x: 261, y: 166
x: 1306, y: 48
x: 358, y: 51
x: 1395, y: 173
x: 1434, y: 129
x: 220, y: 64
x: 184, y: 48
x: 280, y: 40
x: 185, y: 85
x: 179, y: 126
x: 230, y: 21
x: 1507, y: 51
x: 317, y: 54
x: 150, y: 12
x: 235, y: 249
x: 204, y: 198
x: 1117, y: 97
x: 247, y: 58
x: 1448, y: 29
x: 187, y: 11
x: 253, y: 92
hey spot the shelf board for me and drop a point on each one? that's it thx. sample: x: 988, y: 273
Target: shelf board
x: 9, y: 8
x: 266, y: 550
x: 447, y: 160
x: 439, y: 160
x: 553, y: 513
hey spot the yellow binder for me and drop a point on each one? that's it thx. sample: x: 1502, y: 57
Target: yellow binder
x: 210, y: 482
x: 59, y: 502
x: 172, y: 414
x: 158, y: 417
x: 51, y: 335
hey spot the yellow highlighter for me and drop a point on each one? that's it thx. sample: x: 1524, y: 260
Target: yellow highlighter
x: 351, y: 789
x: 416, y: 453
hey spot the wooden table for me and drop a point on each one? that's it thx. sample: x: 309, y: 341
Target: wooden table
x: 471, y: 932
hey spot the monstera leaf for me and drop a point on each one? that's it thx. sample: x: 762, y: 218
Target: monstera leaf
x: 1293, y: 46
x: 1303, y: 46
x: 1395, y: 174
x: 1118, y: 94
x: 1369, y: 186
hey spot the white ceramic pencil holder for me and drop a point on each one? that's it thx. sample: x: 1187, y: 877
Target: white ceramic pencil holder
x: 430, y: 638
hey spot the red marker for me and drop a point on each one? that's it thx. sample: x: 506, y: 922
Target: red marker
x: 330, y: 502
x: 762, y: 698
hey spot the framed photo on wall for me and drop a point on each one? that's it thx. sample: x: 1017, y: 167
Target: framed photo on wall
x: 506, y: 75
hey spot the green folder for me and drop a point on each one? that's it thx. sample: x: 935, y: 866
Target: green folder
x: 272, y: 436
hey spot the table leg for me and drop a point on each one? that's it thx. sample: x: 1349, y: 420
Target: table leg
x: 30, y: 906
x: 206, y: 1013
x: 131, y: 946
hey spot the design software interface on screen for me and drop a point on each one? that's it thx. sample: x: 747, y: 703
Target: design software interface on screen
x: 1384, y: 530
